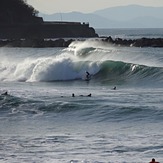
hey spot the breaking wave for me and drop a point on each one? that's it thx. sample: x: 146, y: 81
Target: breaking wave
x: 104, y: 62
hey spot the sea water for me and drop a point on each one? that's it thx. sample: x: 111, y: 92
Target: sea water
x: 40, y: 121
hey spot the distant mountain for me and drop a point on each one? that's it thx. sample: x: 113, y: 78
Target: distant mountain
x: 132, y: 16
x: 94, y: 20
x: 125, y: 13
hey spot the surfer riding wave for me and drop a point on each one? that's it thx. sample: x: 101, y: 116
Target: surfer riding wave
x: 88, y: 76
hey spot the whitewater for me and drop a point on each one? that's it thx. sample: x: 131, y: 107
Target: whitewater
x: 40, y: 121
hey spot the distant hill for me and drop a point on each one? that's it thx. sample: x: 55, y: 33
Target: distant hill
x: 93, y: 19
x: 132, y: 16
x: 18, y: 20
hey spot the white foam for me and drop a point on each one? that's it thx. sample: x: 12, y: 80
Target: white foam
x: 22, y: 64
x: 64, y: 66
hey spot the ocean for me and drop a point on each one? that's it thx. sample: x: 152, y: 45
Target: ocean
x: 40, y: 121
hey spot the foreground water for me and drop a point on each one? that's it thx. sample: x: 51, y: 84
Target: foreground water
x: 40, y: 121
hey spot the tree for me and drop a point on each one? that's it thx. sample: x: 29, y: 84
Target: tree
x: 17, y: 11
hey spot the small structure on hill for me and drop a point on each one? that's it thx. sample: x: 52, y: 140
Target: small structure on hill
x: 18, y: 20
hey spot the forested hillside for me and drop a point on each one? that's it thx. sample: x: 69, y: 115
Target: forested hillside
x: 17, y: 11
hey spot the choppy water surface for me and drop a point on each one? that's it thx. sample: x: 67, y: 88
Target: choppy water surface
x: 41, y: 122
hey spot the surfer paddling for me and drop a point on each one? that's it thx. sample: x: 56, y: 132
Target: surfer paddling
x: 5, y: 93
x: 114, y: 88
x: 153, y: 161
x: 89, y: 95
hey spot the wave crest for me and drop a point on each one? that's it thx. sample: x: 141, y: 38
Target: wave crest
x: 104, y: 63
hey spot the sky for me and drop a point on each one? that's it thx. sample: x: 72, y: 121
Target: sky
x: 86, y: 6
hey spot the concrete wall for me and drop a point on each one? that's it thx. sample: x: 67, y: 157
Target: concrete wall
x: 46, y: 30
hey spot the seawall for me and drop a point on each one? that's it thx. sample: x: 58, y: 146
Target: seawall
x: 46, y: 30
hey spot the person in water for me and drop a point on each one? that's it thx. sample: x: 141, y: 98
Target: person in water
x: 87, y: 75
x: 153, y: 161
x: 5, y: 93
x: 114, y: 88
x: 89, y: 95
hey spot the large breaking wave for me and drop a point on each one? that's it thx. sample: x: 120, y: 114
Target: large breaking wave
x: 105, y: 63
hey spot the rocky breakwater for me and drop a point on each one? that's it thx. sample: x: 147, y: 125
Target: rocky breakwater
x: 35, y: 43
x: 141, y: 42
x: 20, y: 26
x: 60, y: 42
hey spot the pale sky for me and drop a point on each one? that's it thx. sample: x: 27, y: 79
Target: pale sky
x: 85, y: 6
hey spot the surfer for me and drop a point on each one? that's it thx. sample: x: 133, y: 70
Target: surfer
x: 87, y: 75
x: 5, y: 93
x: 114, y: 88
x: 153, y: 161
x: 90, y: 95
x: 73, y: 95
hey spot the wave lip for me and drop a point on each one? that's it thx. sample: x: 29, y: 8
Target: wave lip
x: 103, y: 62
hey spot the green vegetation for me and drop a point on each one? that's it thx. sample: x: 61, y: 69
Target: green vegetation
x: 17, y: 11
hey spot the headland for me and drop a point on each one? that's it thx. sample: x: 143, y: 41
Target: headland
x: 20, y: 26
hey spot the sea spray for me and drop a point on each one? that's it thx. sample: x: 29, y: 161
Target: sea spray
x: 42, y: 122
x: 104, y: 63
x: 60, y: 66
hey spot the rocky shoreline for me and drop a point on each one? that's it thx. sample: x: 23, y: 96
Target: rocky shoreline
x: 141, y: 42
x: 43, y: 43
x: 35, y: 43
x: 26, y: 29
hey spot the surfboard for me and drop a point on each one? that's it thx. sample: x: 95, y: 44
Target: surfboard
x: 87, y: 78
